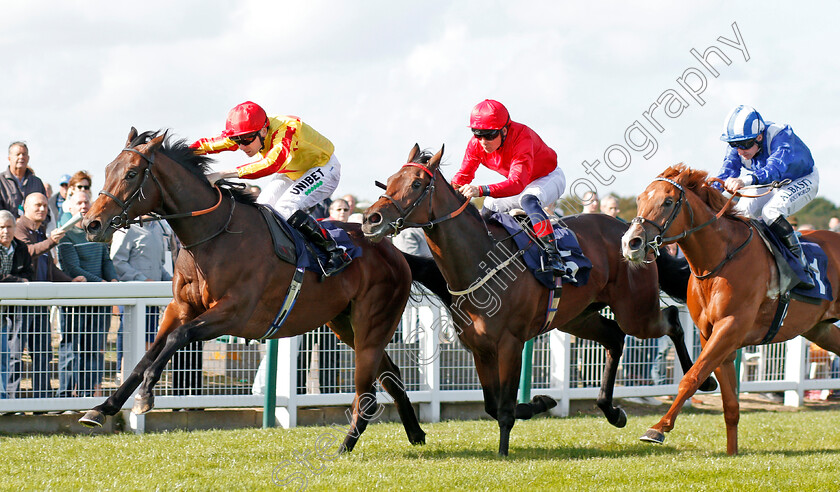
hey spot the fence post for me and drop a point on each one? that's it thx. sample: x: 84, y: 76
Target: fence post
x: 795, y: 370
x: 134, y: 348
x: 429, y: 362
x: 560, y: 347
x: 287, y: 354
x: 270, y: 384
x: 525, y: 373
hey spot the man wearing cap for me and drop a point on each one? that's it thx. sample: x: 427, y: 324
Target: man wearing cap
x: 300, y: 161
x: 57, y: 198
x: 528, y: 164
x: 18, y: 180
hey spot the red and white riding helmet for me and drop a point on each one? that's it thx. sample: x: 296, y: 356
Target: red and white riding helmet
x: 244, y: 118
x: 489, y: 115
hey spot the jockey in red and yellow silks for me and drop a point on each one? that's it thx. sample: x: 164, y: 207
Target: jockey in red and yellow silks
x: 300, y: 161
x: 530, y: 166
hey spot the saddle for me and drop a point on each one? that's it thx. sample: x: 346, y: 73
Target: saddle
x: 281, y: 235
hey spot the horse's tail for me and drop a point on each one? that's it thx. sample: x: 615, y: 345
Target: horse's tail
x: 673, y: 275
x: 426, y: 271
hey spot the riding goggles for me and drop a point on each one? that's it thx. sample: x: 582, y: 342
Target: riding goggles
x: 245, y: 139
x: 485, y: 134
x: 743, y: 144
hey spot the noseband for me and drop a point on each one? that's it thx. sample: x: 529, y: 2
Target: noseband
x: 400, y: 223
x: 122, y: 221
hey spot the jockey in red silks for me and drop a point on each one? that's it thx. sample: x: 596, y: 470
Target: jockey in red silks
x: 300, y: 160
x: 530, y: 166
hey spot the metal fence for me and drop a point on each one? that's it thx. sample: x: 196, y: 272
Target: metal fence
x: 65, y: 346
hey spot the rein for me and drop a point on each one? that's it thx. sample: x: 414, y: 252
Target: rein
x: 122, y: 221
x: 658, y: 241
x: 400, y: 222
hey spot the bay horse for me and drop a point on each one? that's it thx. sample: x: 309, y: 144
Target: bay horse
x: 734, y: 290
x: 495, y: 330
x: 228, y: 280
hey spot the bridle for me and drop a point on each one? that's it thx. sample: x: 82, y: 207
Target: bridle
x: 400, y: 223
x: 122, y: 221
x: 658, y: 241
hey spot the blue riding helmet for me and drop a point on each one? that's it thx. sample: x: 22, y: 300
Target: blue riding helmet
x: 742, y: 123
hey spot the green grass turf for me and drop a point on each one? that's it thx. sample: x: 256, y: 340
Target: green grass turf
x: 779, y: 451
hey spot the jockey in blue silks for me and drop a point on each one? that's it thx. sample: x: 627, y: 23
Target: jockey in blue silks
x: 769, y: 152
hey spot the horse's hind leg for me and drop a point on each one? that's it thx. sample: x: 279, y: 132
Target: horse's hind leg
x: 390, y: 378
x: 96, y: 416
x: 607, y: 333
x: 677, y: 335
x: 826, y: 335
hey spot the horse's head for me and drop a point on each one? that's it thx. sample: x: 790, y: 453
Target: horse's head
x: 129, y: 190
x: 407, y: 198
x: 663, y: 214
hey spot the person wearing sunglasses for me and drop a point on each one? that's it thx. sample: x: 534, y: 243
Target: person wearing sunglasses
x: 528, y: 164
x: 769, y: 152
x: 300, y: 161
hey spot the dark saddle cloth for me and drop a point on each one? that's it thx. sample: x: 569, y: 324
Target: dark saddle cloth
x: 567, y: 245
x: 291, y: 247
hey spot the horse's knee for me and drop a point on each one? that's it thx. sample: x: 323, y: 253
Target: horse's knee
x: 491, y: 410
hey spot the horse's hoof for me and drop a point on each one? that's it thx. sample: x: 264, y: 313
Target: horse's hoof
x: 93, y: 418
x: 654, y: 436
x: 710, y: 384
x: 418, y: 440
x: 621, y: 420
x: 544, y: 402
x: 143, y: 404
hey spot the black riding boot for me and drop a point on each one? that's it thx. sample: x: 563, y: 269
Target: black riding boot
x: 554, y: 262
x: 306, y: 224
x: 784, y: 231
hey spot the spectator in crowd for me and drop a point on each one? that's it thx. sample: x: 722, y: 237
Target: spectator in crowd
x: 609, y: 206
x: 80, y: 182
x: 18, y: 181
x: 56, y: 200
x: 255, y: 190
x: 32, y: 330
x: 340, y: 210
x: 81, y: 351
x: 591, y: 204
x: 139, y: 254
x: 355, y: 217
x: 834, y: 224
x: 15, y: 266
x: 806, y: 227
x: 413, y: 241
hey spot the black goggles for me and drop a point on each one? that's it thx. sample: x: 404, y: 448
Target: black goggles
x: 245, y: 139
x: 486, y: 134
x: 742, y: 144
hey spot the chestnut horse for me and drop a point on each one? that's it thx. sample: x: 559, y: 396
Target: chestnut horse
x: 229, y: 281
x: 495, y: 329
x: 734, y: 289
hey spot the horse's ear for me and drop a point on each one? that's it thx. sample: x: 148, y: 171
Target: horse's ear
x: 132, y: 134
x: 414, y: 151
x: 435, y: 161
x: 156, y: 142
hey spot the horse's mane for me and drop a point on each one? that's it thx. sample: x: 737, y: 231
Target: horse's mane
x: 696, y: 181
x: 423, y: 157
x: 198, y: 165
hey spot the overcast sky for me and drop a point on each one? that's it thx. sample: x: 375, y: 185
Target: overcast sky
x: 377, y: 76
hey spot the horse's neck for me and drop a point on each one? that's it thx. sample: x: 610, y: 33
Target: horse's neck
x: 459, y: 245
x: 708, y: 247
x: 184, y: 192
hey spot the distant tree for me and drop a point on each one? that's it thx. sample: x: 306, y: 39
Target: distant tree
x: 817, y: 213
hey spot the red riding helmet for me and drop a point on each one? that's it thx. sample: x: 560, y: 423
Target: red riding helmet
x: 489, y: 115
x: 245, y: 118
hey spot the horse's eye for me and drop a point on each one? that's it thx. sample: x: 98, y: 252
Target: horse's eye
x: 668, y: 202
x: 130, y: 175
x: 416, y: 184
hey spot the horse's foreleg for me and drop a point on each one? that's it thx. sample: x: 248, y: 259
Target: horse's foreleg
x: 729, y: 397
x: 677, y: 335
x: 96, y: 416
x: 391, y: 379
x: 509, y: 368
x: 365, y: 407
x: 716, y: 350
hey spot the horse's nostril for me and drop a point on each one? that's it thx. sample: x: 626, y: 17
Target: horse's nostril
x: 635, y: 243
x: 93, y: 226
x: 374, y: 218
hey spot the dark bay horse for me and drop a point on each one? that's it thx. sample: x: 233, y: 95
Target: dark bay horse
x: 495, y: 321
x: 734, y: 305
x: 229, y: 281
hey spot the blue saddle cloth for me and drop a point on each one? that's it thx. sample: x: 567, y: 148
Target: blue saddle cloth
x: 567, y: 245
x: 816, y: 259
x: 304, y: 254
